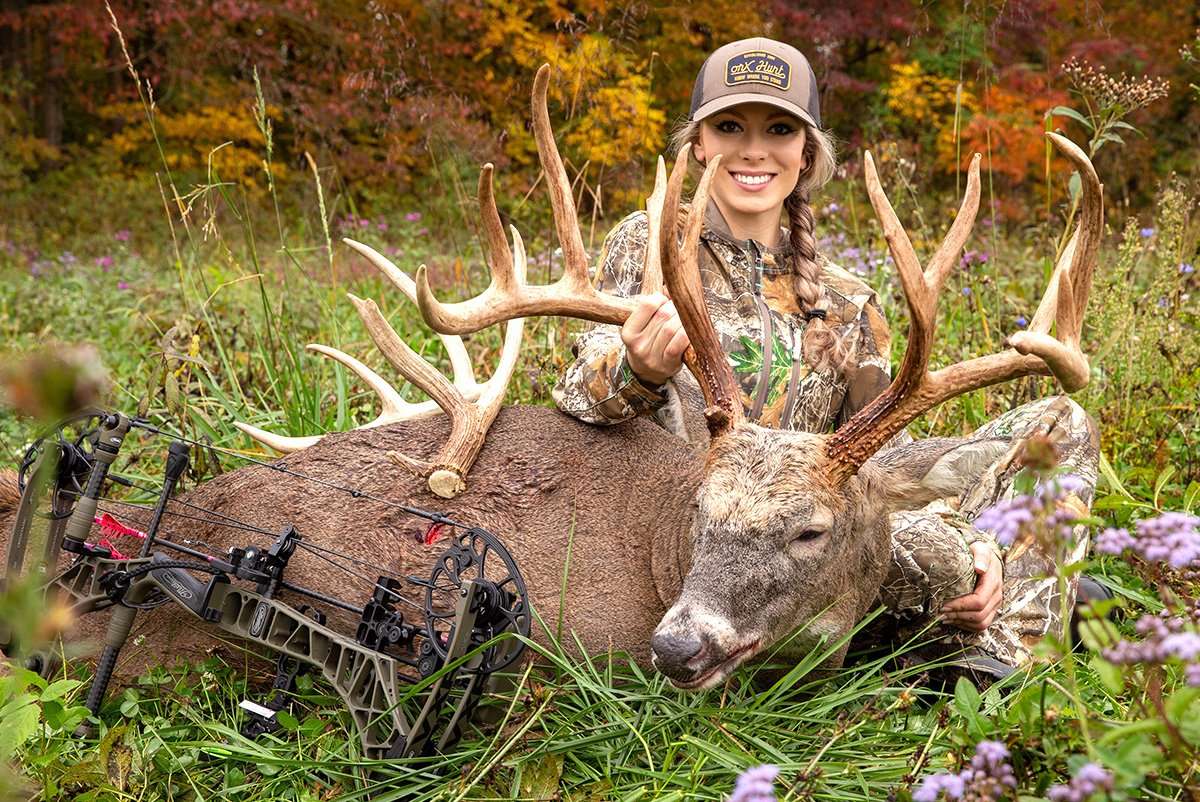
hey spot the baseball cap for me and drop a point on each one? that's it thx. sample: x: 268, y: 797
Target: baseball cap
x: 757, y: 70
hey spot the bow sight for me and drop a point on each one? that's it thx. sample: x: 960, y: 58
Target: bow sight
x: 446, y: 652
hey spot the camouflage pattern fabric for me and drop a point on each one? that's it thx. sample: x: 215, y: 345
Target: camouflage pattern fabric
x: 748, y: 289
x: 931, y: 563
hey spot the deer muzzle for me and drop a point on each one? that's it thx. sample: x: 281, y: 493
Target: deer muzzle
x: 695, y: 649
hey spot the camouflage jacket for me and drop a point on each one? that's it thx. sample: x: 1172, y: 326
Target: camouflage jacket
x: 750, y: 298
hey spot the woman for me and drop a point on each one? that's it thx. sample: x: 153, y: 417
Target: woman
x: 807, y: 341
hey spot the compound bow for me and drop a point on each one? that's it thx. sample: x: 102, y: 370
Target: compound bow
x: 395, y: 676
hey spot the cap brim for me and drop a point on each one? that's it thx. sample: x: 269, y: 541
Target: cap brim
x: 720, y: 104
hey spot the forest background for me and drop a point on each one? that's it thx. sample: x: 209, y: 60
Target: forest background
x: 174, y: 178
x: 399, y: 102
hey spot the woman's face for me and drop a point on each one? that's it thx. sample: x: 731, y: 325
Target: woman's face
x: 762, y: 156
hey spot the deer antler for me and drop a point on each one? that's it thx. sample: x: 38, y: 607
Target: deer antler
x: 573, y: 294
x: 469, y: 421
x: 915, y: 389
x: 393, y: 407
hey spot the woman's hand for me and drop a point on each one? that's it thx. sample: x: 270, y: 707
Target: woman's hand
x: 976, y: 611
x: 654, y: 339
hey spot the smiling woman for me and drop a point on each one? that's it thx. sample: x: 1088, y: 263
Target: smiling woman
x: 809, y: 348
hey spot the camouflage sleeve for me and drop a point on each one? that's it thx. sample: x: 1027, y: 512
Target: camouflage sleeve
x: 599, y: 387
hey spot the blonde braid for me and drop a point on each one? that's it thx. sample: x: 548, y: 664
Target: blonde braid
x: 821, y: 348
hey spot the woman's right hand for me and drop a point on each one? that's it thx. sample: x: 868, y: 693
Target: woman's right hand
x: 654, y: 339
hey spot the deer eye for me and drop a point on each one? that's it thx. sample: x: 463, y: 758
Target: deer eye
x: 808, y: 535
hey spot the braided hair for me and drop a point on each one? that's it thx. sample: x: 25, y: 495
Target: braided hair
x: 820, y: 348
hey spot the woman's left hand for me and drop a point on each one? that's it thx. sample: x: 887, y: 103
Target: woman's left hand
x: 976, y: 611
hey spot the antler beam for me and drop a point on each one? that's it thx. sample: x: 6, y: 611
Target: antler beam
x: 1035, y: 351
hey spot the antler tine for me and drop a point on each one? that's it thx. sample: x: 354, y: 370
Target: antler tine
x: 861, y: 436
x: 652, y: 273
x: 571, y: 295
x: 460, y: 360
x: 394, y: 407
x: 500, y: 258
x: 1067, y: 295
x: 705, y: 357
x: 492, y: 394
x: 562, y: 201
x: 915, y: 389
x: 278, y: 442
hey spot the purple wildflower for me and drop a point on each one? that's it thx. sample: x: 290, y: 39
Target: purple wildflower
x: 412, y: 217
x: 832, y: 208
x: 104, y: 263
x: 68, y: 258
x: 382, y: 225
x: 1163, y: 303
x: 756, y: 784
x: 1114, y: 541
x: 1165, y: 636
x: 1022, y: 321
x: 966, y: 291
x: 1146, y: 233
x: 423, y: 232
x: 363, y: 222
x: 122, y: 235
x: 1172, y: 537
x: 1186, y: 268
x: 933, y: 786
x: 1090, y: 779
x: 987, y: 778
x: 1008, y: 519
x: 122, y: 285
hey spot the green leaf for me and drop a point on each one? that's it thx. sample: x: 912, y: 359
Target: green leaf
x: 18, y: 727
x: 1191, y: 496
x: 287, y: 720
x: 1112, y: 676
x: 1075, y: 185
x: 1110, y: 475
x: 1160, y: 482
x: 1098, y: 633
x: 539, y: 779
x: 1067, y: 111
x: 966, y: 696
x: 1109, y: 136
x: 59, y: 689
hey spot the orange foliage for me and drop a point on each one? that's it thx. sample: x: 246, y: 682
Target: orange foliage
x: 1010, y: 126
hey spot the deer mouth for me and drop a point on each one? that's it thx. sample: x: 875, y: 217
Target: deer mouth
x: 721, y: 670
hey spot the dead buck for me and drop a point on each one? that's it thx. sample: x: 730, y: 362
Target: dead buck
x: 699, y: 561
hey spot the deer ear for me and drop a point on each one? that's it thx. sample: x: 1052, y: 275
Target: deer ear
x: 912, y: 475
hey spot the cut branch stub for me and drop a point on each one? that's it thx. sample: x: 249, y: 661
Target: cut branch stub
x: 915, y: 389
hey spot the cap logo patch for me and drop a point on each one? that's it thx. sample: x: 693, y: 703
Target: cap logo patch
x: 759, y: 67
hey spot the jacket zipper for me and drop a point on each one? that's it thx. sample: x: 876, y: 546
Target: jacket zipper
x: 768, y: 341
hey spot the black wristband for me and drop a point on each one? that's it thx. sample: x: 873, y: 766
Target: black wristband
x: 814, y: 313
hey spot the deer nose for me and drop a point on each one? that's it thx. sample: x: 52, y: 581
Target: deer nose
x: 672, y: 652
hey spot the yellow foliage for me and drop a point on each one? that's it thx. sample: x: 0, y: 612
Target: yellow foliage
x: 918, y: 97
x: 925, y: 106
x: 223, y: 138
x: 622, y: 123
